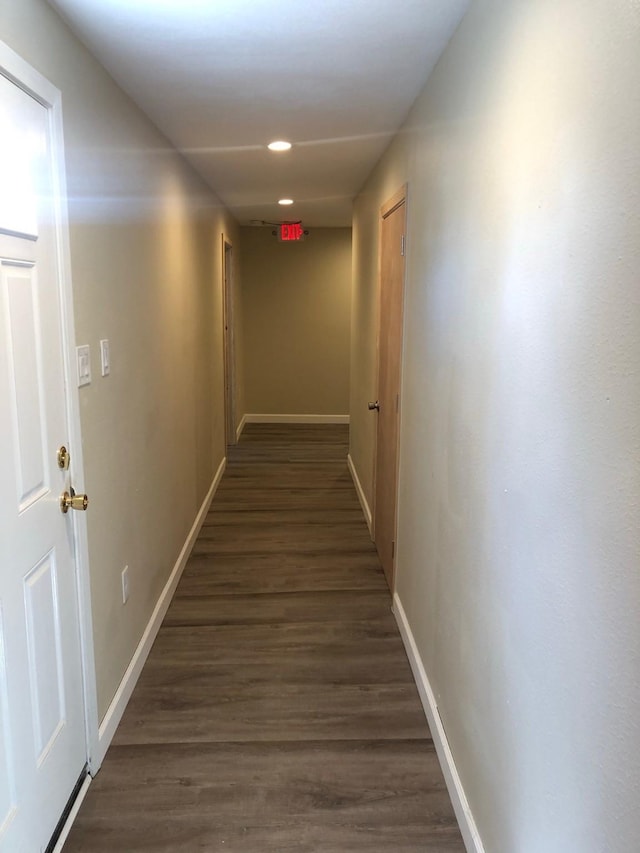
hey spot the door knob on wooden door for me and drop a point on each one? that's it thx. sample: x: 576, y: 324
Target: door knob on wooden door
x: 374, y: 406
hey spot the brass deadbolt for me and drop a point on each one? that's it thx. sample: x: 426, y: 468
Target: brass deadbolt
x: 64, y: 458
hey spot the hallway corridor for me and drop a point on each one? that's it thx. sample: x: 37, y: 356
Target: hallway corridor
x: 276, y: 711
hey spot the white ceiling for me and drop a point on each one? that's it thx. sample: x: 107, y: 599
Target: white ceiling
x: 222, y: 78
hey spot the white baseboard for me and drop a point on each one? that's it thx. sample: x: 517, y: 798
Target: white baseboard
x: 117, y: 707
x: 296, y: 419
x: 470, y: 834
x: 240, y: 427
x: 366, y: 509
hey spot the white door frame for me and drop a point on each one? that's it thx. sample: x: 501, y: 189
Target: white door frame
x: 31, y: 81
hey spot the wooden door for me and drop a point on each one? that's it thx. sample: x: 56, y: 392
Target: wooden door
x: 42, y: 717
x: 392, y: 245
x: 229, y: 343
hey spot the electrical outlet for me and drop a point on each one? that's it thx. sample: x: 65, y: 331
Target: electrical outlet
x: 125, y: 584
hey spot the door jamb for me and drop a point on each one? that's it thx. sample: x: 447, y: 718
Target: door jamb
x: 19, y: 72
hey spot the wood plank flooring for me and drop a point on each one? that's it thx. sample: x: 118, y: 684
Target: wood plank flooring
x: 276, y: 712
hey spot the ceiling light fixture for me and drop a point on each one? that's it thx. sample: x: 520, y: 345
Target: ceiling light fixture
x: 280, y: 145
x: 286, y: 201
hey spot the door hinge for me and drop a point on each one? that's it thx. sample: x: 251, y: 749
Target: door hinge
x: 393, y: 548
x: 403, y: 245
x: 397, y: 403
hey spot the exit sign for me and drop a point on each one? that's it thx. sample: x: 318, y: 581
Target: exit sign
x: 290, y: 231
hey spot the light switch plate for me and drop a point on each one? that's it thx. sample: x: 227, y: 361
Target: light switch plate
x: 83, y: 360
x: 105, y: 357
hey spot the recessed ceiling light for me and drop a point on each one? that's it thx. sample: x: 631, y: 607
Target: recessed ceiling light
x: 280, y: 145
x: 286, y: 201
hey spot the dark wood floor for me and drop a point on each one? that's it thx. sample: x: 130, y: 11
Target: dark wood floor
x: 276, y: 711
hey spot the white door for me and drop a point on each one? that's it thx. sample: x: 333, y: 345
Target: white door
x: 42, y: 721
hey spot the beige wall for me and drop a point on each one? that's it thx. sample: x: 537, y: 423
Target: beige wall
x: 520, y: 462
x: 296, y: 304
x: 146, y: 267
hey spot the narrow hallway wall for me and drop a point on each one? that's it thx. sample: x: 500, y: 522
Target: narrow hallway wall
x: 296, y: 308
x: 147, y: 275
x: 519, y: 530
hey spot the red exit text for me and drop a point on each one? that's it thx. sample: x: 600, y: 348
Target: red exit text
x: 291, y: 231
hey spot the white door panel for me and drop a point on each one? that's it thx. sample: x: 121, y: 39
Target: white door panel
x: 27, y: 391
x: 44, y: 643
x: 42, y: 722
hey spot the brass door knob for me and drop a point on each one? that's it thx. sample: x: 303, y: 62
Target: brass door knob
x: 72, y: 501
x: 374, y: 407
